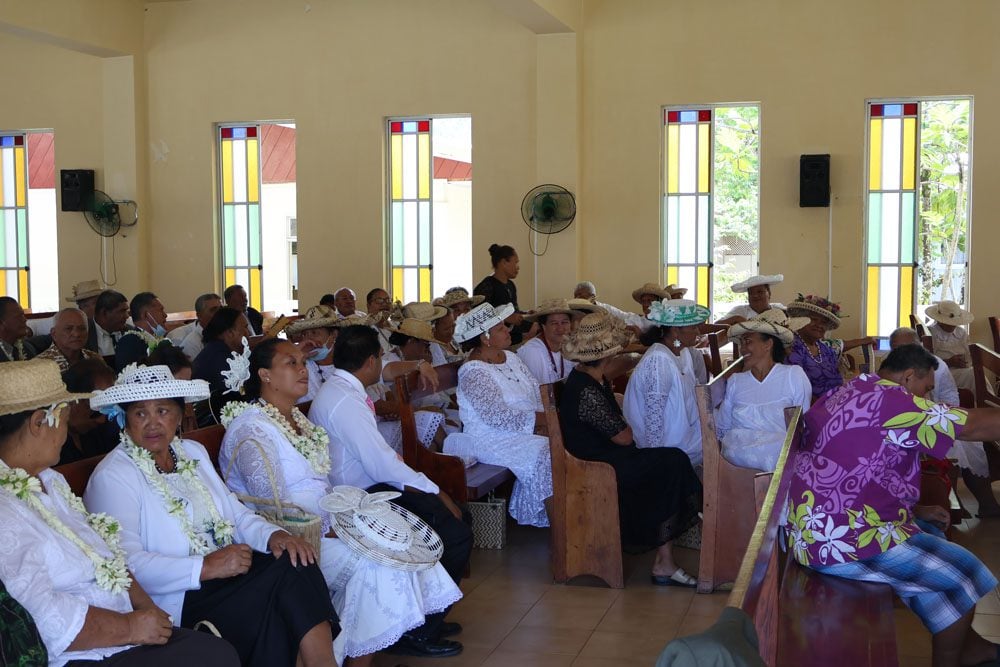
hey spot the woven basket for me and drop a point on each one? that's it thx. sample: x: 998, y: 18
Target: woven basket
x: 489, y: 523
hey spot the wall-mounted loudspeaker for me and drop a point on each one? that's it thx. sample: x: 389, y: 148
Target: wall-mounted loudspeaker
x: 77, y: 185
x: 814, y: 180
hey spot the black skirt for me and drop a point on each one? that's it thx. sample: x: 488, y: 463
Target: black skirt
x: 264, y: 613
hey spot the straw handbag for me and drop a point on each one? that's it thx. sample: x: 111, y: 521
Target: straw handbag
x: 291, y: 518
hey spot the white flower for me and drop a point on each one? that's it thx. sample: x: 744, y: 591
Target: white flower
x: 19, y: 483
x: 112, y: 575
x: 900, y: 439
x: 239, y: 369
x: 813, y: 519
x: 833, y: 545
x: 312, y: 443
x: 938, y: 414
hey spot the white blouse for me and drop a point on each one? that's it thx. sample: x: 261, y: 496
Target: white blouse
x: 545, y: 365
x: 49, y: 575
x: 158, y: 550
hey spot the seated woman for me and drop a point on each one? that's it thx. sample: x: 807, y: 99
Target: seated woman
x: 458, y: 301
x: 659, y: 495
x: 751, y: 419
x: 317, y: 332
x: 63, y: 565
x: 501, y: 409
x: 174, y: 358
x: 411, y: 343
x: 90, y: 433
x: 376, y: 604
x: 659, y: 400
x: 543, y: 353
x: 224, y: 335
x: 443, y: 349
x: 200, y: 553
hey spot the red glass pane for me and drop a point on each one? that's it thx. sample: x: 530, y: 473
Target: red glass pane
x: 673, y: 116
x: 227, y: 133
x: 251, y: 131
x: 876, y: 110
x: 704, y: 116
x: 910, y: 109
x: 396, y: 128
x: 19, y: 140
x: 424, y: 126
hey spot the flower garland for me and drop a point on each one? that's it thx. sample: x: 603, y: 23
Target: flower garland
x: 220, y: 529
x: 313, y: 443
x: 111, y: 573
x: 151, y: 341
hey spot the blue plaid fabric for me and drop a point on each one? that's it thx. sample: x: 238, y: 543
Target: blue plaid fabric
x: 939, y: 580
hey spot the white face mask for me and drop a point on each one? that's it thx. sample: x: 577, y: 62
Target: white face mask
x: 319, y: 353
x: 158, y: 329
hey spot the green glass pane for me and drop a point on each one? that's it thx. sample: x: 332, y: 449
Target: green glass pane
x: 425, y: 234
x: 229, y: 234
x: 254, y: 211
x: 22, y: 237
x: 907, y: 225
x: 397, y: 234
x: 874, y: 228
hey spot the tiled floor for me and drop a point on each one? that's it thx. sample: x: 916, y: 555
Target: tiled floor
x: 513, y: 615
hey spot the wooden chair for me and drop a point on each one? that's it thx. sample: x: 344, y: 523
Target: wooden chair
x: 924, y: 334
x: 78, y: 473
x: 586, y: 534
x: 995, y: 331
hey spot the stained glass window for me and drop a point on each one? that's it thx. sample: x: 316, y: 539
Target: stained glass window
x: 410, y: 211
x: 240, y: 175
x: 14, y: 218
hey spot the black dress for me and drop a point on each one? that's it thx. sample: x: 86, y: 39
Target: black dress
x: 659, y: 495
x: 498, y: 294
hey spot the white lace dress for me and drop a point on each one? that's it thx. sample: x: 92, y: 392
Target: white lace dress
x: 376, y: 604
x: 391, y: 428
x: 498, y: 403
x: 660, y: 404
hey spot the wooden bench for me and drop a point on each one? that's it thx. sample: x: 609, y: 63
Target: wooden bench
x: 448, y: 472
x: 586, y: 534
x: 984, y: 359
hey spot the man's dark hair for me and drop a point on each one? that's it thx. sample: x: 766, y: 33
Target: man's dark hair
x: 202, y: 301
x: 905, y: 357
x: 83, y: 375
x: 5, y: 302
x: 355, y: 344
x: 139, y: 303
x: 223, y: 320
x: 328, y: 300
x: 170, y: 356
x: 371, y: 294
x: 230, y: 291
x: 109, y: 300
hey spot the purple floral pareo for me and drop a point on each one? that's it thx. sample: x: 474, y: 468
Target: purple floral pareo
x: 823, y: 373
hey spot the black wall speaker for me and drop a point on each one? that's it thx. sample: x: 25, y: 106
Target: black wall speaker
x: 77, y: 185
x: 814, y: 180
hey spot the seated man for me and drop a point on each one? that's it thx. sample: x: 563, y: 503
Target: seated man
x: 951, y: 340
x: 379, y: 310
x: 188, y: 337
x: 69, y: 335
x: 855, y: 485
x: 345, y: 301
x: 150, y: 319
x: 14, y: 332
x: 236, y: 297
x: 758, y: 291
x: 110, y: 323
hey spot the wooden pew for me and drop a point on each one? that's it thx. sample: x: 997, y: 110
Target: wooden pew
x: 448, y: 472
x: 586, y: 534
x: 984, y: 359
x: 716, y: 341
x: 211, y: 438
x: 924, y: 334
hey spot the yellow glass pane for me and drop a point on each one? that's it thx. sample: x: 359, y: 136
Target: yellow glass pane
x: 875, y: 155
x: 671, y: 275
x: 253, y: 173
x: 424, y: 169
x: 673, y: 139
x: 871, y: 321
x: 2, y: 203
x: 703, y: 163
x: 255, y: 296
x: 909, y: 154
x: 397, y: 284
x: 905, y: 295
x: 19, y: 177
x: 230, y: 277
x: 703, y: 285
x: 396, y: 159
x: 3, y: 282
x: 22, y: 282
x: 227, y: 171
x: 425, y: 285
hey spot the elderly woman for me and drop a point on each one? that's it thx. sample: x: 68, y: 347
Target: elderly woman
x: 758, y: 291
x: 376, y: 603
x: 202, y: 555
x: 659, y: 400
x: 69, y: 335
x: 65, y: 566
x: 751, y: 419
x: 543, y: 353
x: 951, y: 340
x: 317, y: 332
x: 659, y: 495
x: 501, y: 409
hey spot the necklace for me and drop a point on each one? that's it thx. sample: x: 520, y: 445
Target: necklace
x: 311, y: 441
x: 561, y: 370
x: 173, y: 456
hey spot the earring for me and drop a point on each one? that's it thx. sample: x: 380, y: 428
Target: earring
x: 676, y: 343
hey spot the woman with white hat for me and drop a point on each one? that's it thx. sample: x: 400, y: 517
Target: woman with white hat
x: 758, y: 291
x: 202, y: 555
x: 659, y: 494
x: 65, y: 566
x: 501, y: 408
x: 376, y: 603
x: 659, y: 400
x: 951, y: 340
x: 317, y: 331
x: 751, y: 418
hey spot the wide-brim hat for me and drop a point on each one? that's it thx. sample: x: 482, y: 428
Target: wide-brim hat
x: 674, y: 291
x: 147, y: 383
x: 584, y: 306
x: 88, y: 289
x: 650, y: 288
x: 754, y: 281
x: 774, y: 322
x: 595, y: 338
x: 421, y: 310
x: 810, y: 308
x: 949, y: 312
x: 416, y: 328
x: 317, y: 317
x: 552, y: 307
x: 457, y: 295
x: 353, y: 320
x: 677, y: 313
x: 480, y: 320
x: 34, y: 384
x: 382, y: 531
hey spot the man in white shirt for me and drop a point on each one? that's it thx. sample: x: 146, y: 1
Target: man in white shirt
x: 188, y: 337
x: 345, y: 301
x: 758, y: 291
x: 360, y: 457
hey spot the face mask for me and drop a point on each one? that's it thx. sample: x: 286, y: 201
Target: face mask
x: 319, y: 353
x: 158, y: 329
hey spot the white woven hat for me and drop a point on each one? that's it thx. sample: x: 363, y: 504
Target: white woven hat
x: 949, y: 312
x: 552, y: 307
x: 774, y: 322
x: 382, y: 531
x: 88, y: 289
x: 677, y: 313
x: 146, y: 383
x: 480, y: 320
x: 754, y: 281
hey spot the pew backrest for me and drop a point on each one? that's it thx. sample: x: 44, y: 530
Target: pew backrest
x: 211, y: 439
x: 78, y: 473
x: 984, y: 359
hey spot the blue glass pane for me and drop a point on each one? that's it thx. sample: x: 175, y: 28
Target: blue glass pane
x: 410, y: 126
x: 689, y: 116
x: 6, y: 141
x: 239, y: 133
x: 893, y: 110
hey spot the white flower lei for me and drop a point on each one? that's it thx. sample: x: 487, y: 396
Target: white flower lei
x: 220, y: 529
x: 149, y: 339
x: 111, y: 573
x: 313, y: 443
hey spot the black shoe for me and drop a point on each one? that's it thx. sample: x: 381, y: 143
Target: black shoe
x: 424, y: 648
x: 449, y: 629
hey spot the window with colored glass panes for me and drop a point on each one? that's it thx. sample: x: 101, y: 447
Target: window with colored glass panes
x: 14, y: 218
x: 917, y: 208
x: 410, y: 215
x: 239, y: 167
x: 711, y: 193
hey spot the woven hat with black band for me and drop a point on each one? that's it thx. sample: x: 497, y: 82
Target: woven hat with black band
x: 31, y: 385
x: 810, y: 305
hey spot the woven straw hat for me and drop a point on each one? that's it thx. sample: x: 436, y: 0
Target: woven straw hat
x: 754, y: 281
x: 354, y: 320
x: 29, y: 385
x: 146, y: 383
x: 677, y: 313
x: 949, y: 312
x: 584, y: 306
x: 650, y: 288
x: 552, y: 307
x: 595, y: 338
x: 774, y: 322
x: 382, y: 531
x: 675, y: 291
x: 421, y: 310
x: 88, y: 289
x: 457, y: 295
x: 479, y: 320
x: 415, y: 328
x: 816, y: 305
x: 315, y: 318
